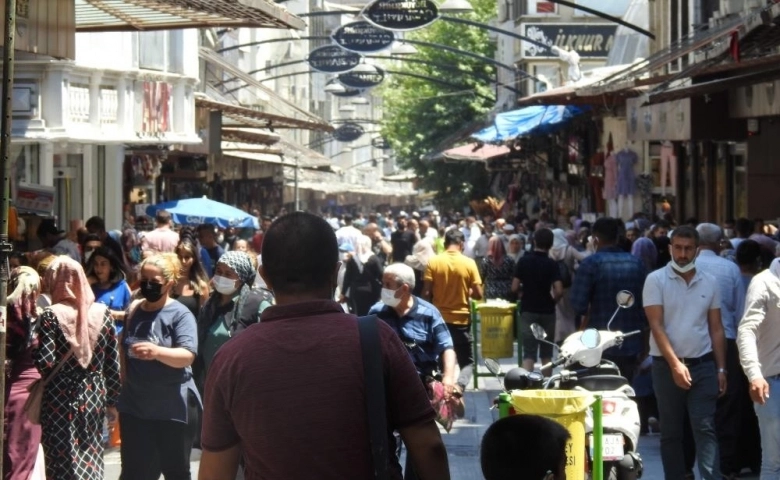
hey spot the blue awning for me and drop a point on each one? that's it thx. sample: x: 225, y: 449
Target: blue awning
x: 538, y: 119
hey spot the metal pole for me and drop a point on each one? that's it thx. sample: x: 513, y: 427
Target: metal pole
x: 297, y: 193
x: 5, y: 202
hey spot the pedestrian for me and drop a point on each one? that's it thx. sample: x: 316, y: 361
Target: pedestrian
x: 105, y: 275
x: 689, y: 354
x: 537, y: 281
x: 348, y: 233
x: 97, y: 226
x: 759, y: 354
x: 598, y: 280
x: 451, y: 281
x: 497, y: 270
x: 381, y: 247
x: 568, y: 258
x: 418, y: 260
x: 516, y: 247
x: 729, y: 416
x: 644, y: 249
x: 55, y: 241
x: 233, y: 306
x: 162, y: 239
x: 309, y: 345
x: 89, y: 243
x: 211, y: 251
x: 22, y: 438
x: 159, y: 404
x: 79, y: 334
x: 362, y: 278
x: 422, y: 330
x: 192, y: 287
x: 401, y: 240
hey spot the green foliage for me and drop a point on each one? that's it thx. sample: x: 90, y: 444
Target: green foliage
x: 420, y: 114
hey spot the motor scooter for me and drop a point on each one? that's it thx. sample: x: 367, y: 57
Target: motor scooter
x: 582, y: 368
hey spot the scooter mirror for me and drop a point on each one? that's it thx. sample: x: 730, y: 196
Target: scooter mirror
x: 590, y: 338
x: 625, y: 299
x: 493, y: 366
x: 538, y: 331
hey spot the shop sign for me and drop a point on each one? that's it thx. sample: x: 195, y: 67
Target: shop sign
x: 362, y: 79
x: 333, y: 59
x: 33, y: 198
x: 589, y: 40
x: 659, y: 122
x: 348, y: 132
x: 362, y: 37
x: 381, y: 143
x: 401, y: 15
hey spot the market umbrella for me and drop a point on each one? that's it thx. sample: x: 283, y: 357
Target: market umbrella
x: 199, y: 211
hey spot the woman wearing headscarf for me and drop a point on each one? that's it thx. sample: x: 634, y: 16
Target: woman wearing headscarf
x: 418, y: 260
x: 23, y: 439
x: 564, y: 252
x: 79, y: 332
x: 233, y: 306
x: 645, y: 250
x: 497, y: 270
x: 516, y: 246
x: 362, y: 278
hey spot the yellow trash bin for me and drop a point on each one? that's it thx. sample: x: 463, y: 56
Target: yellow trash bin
x: 567, y: 408
x: 496, y: 319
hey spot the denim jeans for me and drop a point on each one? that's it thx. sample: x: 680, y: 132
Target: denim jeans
x: 700, y: 401
x: 769, y: 421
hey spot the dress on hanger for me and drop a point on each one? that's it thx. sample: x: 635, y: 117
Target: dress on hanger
x: 610, y: 178
x: 626, y: 180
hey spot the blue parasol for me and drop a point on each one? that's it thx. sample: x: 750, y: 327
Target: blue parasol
x: 199, y: 211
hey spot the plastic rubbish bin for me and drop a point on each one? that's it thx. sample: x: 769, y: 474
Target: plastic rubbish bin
x: 496, y: 318
x: 568, y: 408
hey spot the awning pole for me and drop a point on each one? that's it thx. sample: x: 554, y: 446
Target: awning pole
x: 5, y: 151
x: 297, y: 192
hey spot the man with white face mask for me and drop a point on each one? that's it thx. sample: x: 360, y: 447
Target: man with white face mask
x: 420, y: 327
x: 688, y: 346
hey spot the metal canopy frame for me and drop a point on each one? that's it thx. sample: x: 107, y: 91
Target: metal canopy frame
x: 266, y: 120
x: 141, y: 15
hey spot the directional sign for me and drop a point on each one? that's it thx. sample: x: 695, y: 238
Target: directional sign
x: 333, y: 59
x: 362, y: 37
x: 380, y: 143
x: 401, y: 15
x: 362, y: 79
x: 348, y: 132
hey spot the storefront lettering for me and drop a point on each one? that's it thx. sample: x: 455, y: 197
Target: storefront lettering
x: 361, y: 37
x: 333, y: 59
x: 588, y: 40
x: 361, y: 79
x: 401, y: 15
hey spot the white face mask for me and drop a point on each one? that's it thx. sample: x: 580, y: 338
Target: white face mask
x: 388, y: 298
x: 729, y: 233
x: 682, y: 269
x: 88, y: 255
x: 224, y: 285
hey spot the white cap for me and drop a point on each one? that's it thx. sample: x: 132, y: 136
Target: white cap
x: 402, y: 214
x: 509, y: 227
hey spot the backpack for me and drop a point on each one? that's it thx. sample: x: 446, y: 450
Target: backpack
x: 565, y: 272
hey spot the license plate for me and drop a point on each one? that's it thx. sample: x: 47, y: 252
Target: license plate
x: 611, y: 446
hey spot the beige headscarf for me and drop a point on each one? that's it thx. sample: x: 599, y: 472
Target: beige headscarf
x: 73, y: 303
x: 422, y: 253
x: 362, y: 252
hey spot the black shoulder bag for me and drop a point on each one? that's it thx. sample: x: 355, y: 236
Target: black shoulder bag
x: 376, y: 411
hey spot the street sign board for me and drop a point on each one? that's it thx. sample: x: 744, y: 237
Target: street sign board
x: 401, y: 15
x: 348, y: 91
x: 333, y: 59
x: 381, y: 143
x: 348, y: 132
x: 362, y: 79
x: 362, y: 37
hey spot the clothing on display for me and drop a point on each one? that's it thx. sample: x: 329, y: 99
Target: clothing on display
x: 668, y: 166
x: 626, y: 179
x: 596, y: 180
x: 610, y: 178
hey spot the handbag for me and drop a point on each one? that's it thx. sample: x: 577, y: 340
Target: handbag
x: 371, y: 348
x: 32, y: 407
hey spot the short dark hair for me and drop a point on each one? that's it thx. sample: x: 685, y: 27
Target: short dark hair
x: 523, y: 446
x: 96, y: 223
x: 748, y: 251
x: 607, y: 230
x: 543, y: 238
x: 453, y: 237
x: 300, y: 253
x: 162, y: 217
x: 91, y: 238
x: 685, y: 231
x: 744, y: 227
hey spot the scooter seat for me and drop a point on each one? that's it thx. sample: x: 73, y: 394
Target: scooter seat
x: 602, y: 383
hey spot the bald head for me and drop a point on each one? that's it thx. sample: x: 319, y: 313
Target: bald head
x: 710, y: 235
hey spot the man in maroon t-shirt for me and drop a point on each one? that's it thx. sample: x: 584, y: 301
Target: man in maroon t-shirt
x: 288, y: 394
x: 257, y: 239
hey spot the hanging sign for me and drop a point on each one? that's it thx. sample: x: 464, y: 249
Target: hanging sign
x: 401, y: 15
x: 362, y: 79
x: 333, y: 59
x: 362, y: 37
x: 348, y: 91
x: 348, y: 132
x: 381, y: 143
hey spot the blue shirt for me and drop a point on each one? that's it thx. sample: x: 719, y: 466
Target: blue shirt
x: 116, y: 298
x: 596, y: 284
x: 732, y: 296
x: 422, y: 330
x: 152, y: 390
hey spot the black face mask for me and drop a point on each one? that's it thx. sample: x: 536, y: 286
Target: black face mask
x: 151, y: 291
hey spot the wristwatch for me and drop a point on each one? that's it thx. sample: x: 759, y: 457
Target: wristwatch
x: 722, y: 370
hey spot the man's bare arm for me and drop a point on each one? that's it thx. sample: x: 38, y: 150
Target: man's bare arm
x: 427, y: 293
x: 219, y: 465
x: 427, y: 451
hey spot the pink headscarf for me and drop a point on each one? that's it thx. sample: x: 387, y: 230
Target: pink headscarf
x: 496, y: 251
x: 73, y: 303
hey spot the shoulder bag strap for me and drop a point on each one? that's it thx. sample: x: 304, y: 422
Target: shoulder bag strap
x: 57, y: 369
x: 376, y: 411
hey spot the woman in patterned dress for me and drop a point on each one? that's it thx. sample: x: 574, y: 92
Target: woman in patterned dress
x: 80, y: 332
x: 497, y: 270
